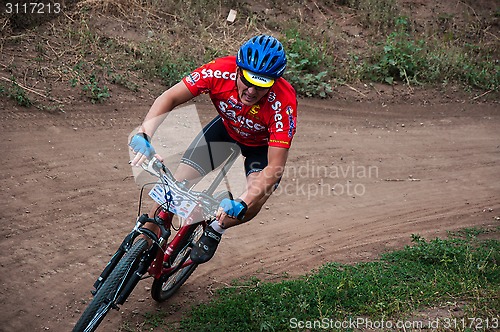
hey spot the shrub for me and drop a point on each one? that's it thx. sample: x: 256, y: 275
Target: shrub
x: 307, y: 68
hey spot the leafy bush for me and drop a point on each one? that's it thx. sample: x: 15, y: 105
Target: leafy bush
x: 400, y: 57
x: 15, y: 92
x: 308, y: 67
x: 95, y: 91
x: 417, y: 61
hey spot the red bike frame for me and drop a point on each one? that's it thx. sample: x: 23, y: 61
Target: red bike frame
x: 157, y: 268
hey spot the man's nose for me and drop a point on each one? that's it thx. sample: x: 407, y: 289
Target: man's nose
x: 252, y: 90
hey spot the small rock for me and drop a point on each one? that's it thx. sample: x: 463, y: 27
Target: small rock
x: 307, y: 217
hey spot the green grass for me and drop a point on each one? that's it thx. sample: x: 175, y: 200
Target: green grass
x: 16, y: 93
x: 375, y: 14
x: 458, y: 269
x: 412, y: 60
x: 307, y: 68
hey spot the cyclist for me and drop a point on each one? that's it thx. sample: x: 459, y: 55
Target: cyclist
x: 257, y: 111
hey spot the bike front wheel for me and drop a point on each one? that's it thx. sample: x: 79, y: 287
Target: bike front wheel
x: 163, y: 290
x: 106, y: 296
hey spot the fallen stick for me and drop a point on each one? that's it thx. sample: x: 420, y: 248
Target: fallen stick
x: 482, y: 95
x: 354, y: 89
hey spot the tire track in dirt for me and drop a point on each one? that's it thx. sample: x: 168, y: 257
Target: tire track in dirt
x: 70, y: 198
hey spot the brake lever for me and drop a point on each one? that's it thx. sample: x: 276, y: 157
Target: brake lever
x: 154, y: 166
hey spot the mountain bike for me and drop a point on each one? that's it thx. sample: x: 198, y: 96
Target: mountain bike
x: 144, y: 254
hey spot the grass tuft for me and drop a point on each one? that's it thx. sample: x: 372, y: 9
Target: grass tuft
x: 399, y: 284
x: 168, y: 39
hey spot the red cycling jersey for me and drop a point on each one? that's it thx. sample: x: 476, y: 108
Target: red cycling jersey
x: 272, y: 121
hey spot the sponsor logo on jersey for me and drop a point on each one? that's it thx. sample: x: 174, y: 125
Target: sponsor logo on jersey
x: 240, y: 132
x: 193, y: 78
x: 271, y: 97
x: 254, y: 111
x: 279, y: 141
x: 278, y: 118
x: 234, y: 103
x: 289, y: 111
x: 230, y: 114
x: 209, y: 73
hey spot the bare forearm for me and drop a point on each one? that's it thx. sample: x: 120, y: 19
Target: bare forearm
x: 261, y: 185
x: 166, y: 102
x: 156, y: 114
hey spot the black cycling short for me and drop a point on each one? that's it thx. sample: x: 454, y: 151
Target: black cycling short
x: 213, y: 145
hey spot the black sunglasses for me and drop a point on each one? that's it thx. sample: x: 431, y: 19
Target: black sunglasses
x: 248, y: 84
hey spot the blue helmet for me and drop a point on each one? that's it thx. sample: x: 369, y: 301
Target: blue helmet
x: 263, y: 55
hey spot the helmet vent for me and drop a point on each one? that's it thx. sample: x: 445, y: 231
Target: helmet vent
x: 263, y: 55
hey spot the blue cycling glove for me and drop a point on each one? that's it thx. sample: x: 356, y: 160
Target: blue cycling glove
x: 141, y: 143
x: 234, y: 208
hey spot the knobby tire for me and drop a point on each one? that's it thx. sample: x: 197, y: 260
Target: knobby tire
x: 100, y: 304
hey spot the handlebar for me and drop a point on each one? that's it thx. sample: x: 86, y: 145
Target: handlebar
x: 206, y: 202
x: 155, y: 167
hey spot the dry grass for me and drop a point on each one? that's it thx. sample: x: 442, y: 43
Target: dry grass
x: 101, y: 42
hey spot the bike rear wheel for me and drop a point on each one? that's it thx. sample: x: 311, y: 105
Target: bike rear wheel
x: 163, y: 290
x: 105, y: 297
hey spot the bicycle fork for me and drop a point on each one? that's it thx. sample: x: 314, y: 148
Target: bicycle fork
x: 137, y: 275
x: 148, y: 257
x: 124, y: 247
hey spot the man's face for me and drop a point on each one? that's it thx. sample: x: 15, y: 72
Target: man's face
x: 249, y: 94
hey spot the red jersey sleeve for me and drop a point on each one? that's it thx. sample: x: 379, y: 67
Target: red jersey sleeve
x: 284, y: 120
x: 211, y: 76
x: 195, y: 81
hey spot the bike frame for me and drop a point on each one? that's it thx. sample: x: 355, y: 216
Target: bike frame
x: 156, y: 261
x: 159, y: 270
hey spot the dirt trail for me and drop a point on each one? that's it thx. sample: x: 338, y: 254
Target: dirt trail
x: 395, y: 170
